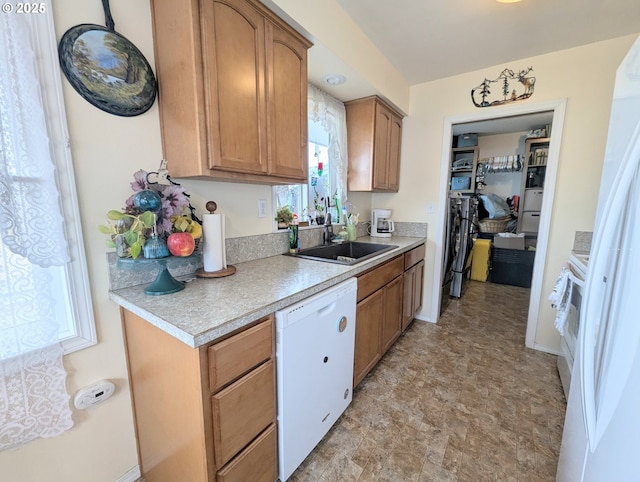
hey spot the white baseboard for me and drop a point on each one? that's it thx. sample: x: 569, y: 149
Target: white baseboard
x: 423, y: 318
x: 546, y: 349
x: 131, y: 476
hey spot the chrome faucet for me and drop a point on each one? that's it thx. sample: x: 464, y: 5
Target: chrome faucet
x: 327, y: 235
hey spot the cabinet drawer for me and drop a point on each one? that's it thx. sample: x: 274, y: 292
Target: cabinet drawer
x: 257, y: 463
x: 530, y: 222
x: 235, y: 356
x: 243, y: 410
x: 532, y: 200
x: 414, y: 256
x: 376, y: 278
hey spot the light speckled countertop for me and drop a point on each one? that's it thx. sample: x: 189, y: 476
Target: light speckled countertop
x: 208, y: 309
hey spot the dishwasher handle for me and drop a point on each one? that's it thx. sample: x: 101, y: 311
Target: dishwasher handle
x: 327, y: 308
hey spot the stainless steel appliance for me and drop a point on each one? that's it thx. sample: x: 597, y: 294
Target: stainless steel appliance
x: 315, y: 353
x: 381, y: 224
x: 460, y: 231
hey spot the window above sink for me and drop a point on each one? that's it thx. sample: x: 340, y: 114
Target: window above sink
x: 327, y: 169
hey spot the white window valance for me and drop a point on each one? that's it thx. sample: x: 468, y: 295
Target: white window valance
x: 331, y: 114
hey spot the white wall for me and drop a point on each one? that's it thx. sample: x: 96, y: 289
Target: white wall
x: 107, y: 150
x: 504, y: 184
x: 585, y: 77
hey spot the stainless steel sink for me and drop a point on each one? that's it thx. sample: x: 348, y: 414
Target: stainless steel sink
x: 345, y: 253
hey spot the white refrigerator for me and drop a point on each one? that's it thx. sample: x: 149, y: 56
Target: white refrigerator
x: 601, y: 438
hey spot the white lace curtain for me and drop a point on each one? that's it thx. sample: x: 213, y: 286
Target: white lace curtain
x: 332, y: 116
x: 33, y: 398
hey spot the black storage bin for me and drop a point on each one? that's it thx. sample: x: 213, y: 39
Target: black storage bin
x: 512, y: 266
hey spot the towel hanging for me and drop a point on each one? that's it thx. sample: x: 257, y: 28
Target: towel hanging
x: 560, y: 299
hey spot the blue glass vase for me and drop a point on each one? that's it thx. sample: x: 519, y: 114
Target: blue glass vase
x: 147, y: 200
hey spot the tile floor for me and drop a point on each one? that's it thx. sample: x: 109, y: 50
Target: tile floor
x: 462, y: 400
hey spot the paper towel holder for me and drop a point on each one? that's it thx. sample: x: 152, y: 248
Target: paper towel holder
x: 211, y: 206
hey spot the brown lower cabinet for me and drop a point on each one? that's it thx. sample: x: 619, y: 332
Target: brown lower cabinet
x: 368, y: 349
x: 413, y: 284
x: 203, y: 414
x: 378, y: 314
x: 389, y: 296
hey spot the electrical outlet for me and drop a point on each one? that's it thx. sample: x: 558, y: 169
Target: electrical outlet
x: 262, y: 208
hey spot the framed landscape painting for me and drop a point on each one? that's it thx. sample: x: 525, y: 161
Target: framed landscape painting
x: 107, y: 70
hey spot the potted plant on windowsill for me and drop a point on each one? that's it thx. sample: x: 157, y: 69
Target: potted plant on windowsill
x: 284, y: 216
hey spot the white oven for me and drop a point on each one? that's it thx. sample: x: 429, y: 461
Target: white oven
x: 578, y: 271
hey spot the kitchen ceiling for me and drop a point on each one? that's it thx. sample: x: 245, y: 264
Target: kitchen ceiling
x: 427, y: 40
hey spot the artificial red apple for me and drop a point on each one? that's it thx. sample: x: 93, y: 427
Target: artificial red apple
x: 181, y: 244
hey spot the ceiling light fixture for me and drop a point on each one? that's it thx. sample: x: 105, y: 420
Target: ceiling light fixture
x: 334, y: 79
x: 507, y: 1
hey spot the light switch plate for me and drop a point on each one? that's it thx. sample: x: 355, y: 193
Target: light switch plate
x: 262, y: 208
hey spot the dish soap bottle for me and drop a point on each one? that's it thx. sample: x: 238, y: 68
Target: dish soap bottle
x: 294, y: 241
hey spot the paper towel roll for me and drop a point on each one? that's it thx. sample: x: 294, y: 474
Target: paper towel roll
x: 213, y: 250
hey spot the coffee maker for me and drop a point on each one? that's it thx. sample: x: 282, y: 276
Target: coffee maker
x: 381, y: 224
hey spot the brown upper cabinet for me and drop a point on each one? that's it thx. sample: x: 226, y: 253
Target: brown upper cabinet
x: 374, y: 133
x: 232, y: 80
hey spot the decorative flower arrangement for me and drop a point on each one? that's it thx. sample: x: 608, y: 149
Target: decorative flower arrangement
x: 153, y: 212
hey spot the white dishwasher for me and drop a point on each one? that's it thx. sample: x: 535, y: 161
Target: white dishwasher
x: 314, y: 352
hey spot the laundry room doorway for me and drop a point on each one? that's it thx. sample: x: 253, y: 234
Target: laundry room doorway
x: 498, y: 121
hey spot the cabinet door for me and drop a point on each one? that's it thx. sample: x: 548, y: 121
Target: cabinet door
x: 412, y: 293
x: 395, y: 139
x: 392, y: 320
x: 418, y: 288
x: 407, y: 297
x: 382, y: 144
x: 368, y: 347
x: 375, y: 132
x: 234, y: 66
x: 287, y: 87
